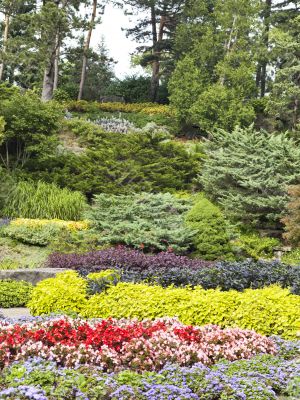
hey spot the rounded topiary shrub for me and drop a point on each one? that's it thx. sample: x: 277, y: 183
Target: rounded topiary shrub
x: 211, y: 238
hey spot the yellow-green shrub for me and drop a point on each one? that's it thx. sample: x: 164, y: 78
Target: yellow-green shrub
x: 67, y: 292
x: 41, y: 232
x: 145, y: 108
x: 14, y: 293
x: 269, y: 311
x: 33, y: 223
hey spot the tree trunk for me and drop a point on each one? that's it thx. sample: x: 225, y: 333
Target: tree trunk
x: 155, y: 63
x: 51, y: 71
x: 5, y: 38
x: 56, y: 65
x: 86, y: 49
x: 295, y: 113
x: 267, y: 15
x: 228, y: 46
x: 156, y: 53
x: 48, y: 81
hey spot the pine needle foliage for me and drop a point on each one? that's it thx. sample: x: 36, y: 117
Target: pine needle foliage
x: 44, y: 201
x: 248, y: 172
x: 148, y: 221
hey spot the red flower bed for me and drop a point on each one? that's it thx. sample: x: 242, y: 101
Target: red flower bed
x: 120, y: 344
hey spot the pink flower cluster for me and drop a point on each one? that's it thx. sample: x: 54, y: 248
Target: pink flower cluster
x: 114, y: 345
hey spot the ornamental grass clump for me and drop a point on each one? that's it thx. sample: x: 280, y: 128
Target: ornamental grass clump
x: 42, y: 200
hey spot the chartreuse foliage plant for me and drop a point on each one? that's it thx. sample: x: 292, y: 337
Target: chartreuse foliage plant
x: 14, y: 293
x: 292, y: 257
x: 71, y: 226
x: 150, y: 221
x: 145, y: 108
x: 67, y: 292
x: 247, y: 173
x: 269, y: 311
x: 211, y: 238
x: 44, y: 201
x: 255, y: 246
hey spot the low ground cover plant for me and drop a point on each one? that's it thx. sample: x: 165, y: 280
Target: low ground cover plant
x: 255, y: 246
x: 40, y: 232
x: 14, y: 293
x: 127, y: 344
x: 72, y: 226
x: 16, y: 254
x: 271, y: 310
x: 261, y: 378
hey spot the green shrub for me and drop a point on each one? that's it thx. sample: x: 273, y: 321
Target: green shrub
x: 247, y: 173
x: 211, y: 238
x: 38, y: 235
x: 8, y: 264
x: 256, y: 247
x: 75, y: 242
x: 43, y: 200
x: 119, y: 164
x: 67, y: 292
x: 292, y: 257
x: 30, y: 129
x: 14, y: 293
x: 149, y: 221
x: 269, y: 311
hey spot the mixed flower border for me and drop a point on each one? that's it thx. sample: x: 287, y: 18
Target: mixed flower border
x: 115, y: 345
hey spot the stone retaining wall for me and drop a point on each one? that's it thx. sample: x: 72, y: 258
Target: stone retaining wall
x: 30, y: 275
